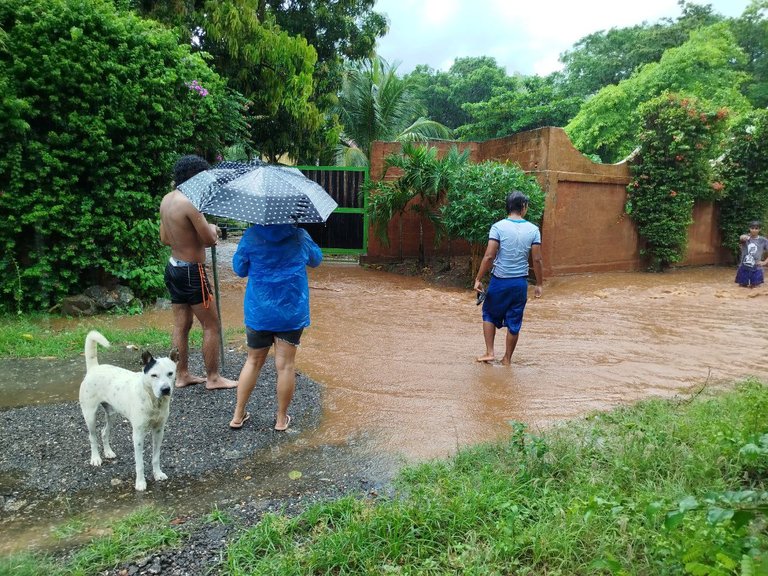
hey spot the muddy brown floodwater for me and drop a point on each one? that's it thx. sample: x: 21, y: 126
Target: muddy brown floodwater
x: 395, y: 359
x: 395, y: 355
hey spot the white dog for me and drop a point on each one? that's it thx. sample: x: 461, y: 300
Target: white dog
x: 142, y: 397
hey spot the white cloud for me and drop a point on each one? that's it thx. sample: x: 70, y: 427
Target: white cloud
x: 524, y: 37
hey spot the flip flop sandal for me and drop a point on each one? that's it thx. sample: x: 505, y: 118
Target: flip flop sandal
x: 287, y: 423
x: 243, y: 421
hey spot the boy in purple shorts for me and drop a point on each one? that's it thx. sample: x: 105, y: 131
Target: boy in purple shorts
x: 753, y: 248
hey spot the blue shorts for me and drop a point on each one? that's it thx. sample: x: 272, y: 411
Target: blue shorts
x: 505, y: 302
x: 746, y: 276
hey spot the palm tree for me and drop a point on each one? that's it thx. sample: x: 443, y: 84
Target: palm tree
x: 421, y: 189
x: 375, y: 104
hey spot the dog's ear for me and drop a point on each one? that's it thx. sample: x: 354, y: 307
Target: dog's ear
x: 146, y: 357
x: 174, y: 355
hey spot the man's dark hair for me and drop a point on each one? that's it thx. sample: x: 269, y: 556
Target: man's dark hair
x: 516, y: 201
x: 754, y: 224
x: 188, y: 166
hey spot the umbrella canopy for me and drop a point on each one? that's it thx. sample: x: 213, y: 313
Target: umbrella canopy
x: 259, y: 193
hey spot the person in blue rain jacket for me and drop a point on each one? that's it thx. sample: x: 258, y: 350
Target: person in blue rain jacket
x: 276, y: 305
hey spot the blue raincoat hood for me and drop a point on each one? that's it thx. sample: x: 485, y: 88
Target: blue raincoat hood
x: 274, y: 258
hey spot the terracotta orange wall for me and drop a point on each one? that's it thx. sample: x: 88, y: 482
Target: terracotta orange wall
x: 584, y: 228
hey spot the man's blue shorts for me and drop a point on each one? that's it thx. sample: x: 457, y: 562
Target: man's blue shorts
x: 505, y: 302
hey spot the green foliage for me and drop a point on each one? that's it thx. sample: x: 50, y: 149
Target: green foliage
x: 610, y: 56
x: 30, y: 336
x: 671, y: 171
x: 744, y: 170
x: 376, y: 104
x: 477, y: 198
x: 751, y: 31
x: 534, y: 102
x: 708, y: 67
x: 420, y: 188
x: 271, y: 67
x: 471, y: 79
x: 141, y: 532
x: 99, y: 105
x: 656, y: 488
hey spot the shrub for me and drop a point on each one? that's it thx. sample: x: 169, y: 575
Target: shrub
x: 477, y: 198
x: 671, y: 171
x: 744, y: 170
x: 97, y: 105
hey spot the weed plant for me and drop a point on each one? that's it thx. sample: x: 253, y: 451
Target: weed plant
x: 663, y: 487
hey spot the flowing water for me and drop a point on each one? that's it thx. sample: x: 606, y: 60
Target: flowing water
x: 395, y: 355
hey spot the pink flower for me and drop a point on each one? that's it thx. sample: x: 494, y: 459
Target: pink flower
x: 672, y: 193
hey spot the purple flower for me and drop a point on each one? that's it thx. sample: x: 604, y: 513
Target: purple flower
x: 197, y: 87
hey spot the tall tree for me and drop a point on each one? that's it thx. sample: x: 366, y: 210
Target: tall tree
x: 751, y: 31
x: 340, y: 31
x: 708, y: 66
x: 608, y: 57
x: 533, y: 103
x: 376, y: 104
x: 469, y: 80
x: 270, y: 67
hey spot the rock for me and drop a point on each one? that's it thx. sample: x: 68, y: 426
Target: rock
x: 104, y: 298
x: 162, y: 304
x: 124, y: 295
x: 14, y: 505
x: 79, y: 305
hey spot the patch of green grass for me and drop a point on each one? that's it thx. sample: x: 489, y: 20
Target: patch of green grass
x: 138, y: 534
x: 27, y: 565
x: 662, y: 487
x: 34, y: 336
x: 218, y: 516
x: 70, y: 528
x: 141, y: 532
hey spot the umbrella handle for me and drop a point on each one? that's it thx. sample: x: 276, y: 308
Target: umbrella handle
x: 218, y: 306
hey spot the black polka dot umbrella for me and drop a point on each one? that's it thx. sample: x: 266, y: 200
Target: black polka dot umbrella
x: 259, y: 193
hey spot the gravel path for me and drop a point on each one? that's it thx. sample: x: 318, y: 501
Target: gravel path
x: 45, y: 476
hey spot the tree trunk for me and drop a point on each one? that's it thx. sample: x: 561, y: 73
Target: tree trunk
x: 476, y: 258
x: 422, y: 256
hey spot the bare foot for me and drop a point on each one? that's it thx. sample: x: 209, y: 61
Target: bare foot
x: 220, y: 383
x: 488, y: 358
x: 506, y: 362
x: 183, y: 380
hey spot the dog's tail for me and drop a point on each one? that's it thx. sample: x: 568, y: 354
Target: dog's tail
x: 91, y: 340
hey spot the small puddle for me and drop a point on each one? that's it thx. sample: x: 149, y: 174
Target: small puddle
x: 27, y: 381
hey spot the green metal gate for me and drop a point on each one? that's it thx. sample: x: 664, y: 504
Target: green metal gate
x: 346, y: 230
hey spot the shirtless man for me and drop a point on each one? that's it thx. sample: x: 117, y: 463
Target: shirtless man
x: 186, y: 231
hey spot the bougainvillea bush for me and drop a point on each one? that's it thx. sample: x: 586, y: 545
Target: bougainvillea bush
x: 96, y: 106
x: 744, y: 169
x: 671, y: 171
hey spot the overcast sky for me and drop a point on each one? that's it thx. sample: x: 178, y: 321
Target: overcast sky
x: 525, y: 37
